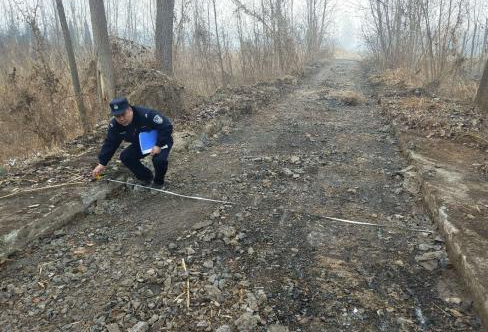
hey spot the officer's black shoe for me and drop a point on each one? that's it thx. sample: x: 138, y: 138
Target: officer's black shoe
x: 145, y: 183
x: 158, y: 185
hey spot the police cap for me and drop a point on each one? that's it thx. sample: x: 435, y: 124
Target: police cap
x: 118, y: 106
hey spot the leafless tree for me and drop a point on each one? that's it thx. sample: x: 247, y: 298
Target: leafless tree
x: 482, y: 95
x: 164, y: 35
x: 72, y: 65
x: 105, y: 67
x: 219, y: 48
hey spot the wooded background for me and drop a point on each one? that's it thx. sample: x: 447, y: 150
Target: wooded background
x: 443, y: 43
x: 60, y: 56
x: 62, y: 61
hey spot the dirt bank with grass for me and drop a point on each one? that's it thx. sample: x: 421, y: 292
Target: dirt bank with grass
x: 446, y: 140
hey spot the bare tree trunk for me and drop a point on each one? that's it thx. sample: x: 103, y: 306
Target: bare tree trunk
x: 219, y: 49
x: 381, y: 32
x: 164, y: 35
x: 56, y: 30
x: 278, y: 35
x: 105, y: 66
x: 485, y: 40
x: 473, y: 43
x: 482, y: 95
x: 72, y: 66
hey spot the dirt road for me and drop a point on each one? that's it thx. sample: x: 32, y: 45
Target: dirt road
x: 268, y: 262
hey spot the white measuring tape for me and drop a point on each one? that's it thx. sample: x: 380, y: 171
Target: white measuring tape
x: 319, y: 216
x: 170, y: 193
x: 376, y: 225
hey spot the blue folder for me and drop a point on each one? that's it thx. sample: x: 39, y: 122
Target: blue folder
x: 147, y: 140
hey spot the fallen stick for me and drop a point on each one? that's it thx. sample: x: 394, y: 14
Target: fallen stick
x: 178, y: 297
x: 187, y: 285
x: 42, y: 188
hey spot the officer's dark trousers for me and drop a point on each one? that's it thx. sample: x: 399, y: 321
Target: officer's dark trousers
x: 131, y: 158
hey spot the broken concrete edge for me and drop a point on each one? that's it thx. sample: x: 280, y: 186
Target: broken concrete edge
x: 457, y: 255
x: 439, y: 213
x: 59, y: 217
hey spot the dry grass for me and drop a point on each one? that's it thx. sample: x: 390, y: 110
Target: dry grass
x: 417, y: 104
x: 462, y: 90
x: 38, y: 106
x: 397, y: 77
x: 347, y: 97
x: 454, y: 82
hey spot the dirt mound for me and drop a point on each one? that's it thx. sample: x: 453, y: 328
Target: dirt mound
x: 139, y: 80
x: 152, y: 88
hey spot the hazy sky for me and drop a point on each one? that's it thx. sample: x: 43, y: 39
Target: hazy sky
x: 345, y: 29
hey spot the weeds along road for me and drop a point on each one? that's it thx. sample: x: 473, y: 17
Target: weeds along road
x: 267, y: 262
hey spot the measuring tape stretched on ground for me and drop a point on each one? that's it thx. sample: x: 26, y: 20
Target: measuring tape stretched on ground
x: 226, y: 202
x: 169, y: 192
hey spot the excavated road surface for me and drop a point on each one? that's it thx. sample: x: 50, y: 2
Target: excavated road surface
x: 268, y: 262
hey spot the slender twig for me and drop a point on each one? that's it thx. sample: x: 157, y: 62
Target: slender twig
x: 42, y: 188
x: 187, y: 284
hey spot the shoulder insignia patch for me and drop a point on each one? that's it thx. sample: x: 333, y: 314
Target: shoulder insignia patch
x: 157, y: 119
x: 111, y: 125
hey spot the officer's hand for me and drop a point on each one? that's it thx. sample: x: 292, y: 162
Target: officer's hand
x: 155, y: 150
x: 98, y: 170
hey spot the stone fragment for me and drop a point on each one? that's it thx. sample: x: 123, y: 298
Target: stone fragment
x: 278, y: 328
x: 227, y: 231
x: 215, y: 215
x: 247, y: 322
x: 430, y: 265
x: 287, y: 172
x: 454, y: 300
x: 139, y: 327
x: 208, y: 264
x: 214, y: 293
x: 209, y: 237
x: 224, y: 328
x: 153, y: 319
x: 426, y: 246
x: 411, y: 182
x: 432, y: 255
x: 295, y: 159
x: 202, y: 324
x: 201, y: 225
x: 113, y: 328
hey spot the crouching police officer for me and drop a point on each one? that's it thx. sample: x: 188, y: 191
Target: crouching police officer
x: 126, y: 125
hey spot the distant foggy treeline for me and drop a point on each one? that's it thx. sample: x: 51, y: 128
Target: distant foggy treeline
x: 435, y: 37
x: 268, y: 35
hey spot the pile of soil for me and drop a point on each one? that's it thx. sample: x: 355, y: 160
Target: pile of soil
x: 139, y: 79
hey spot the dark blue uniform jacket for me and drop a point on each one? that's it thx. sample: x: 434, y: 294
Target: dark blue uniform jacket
x: 145, y: 119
